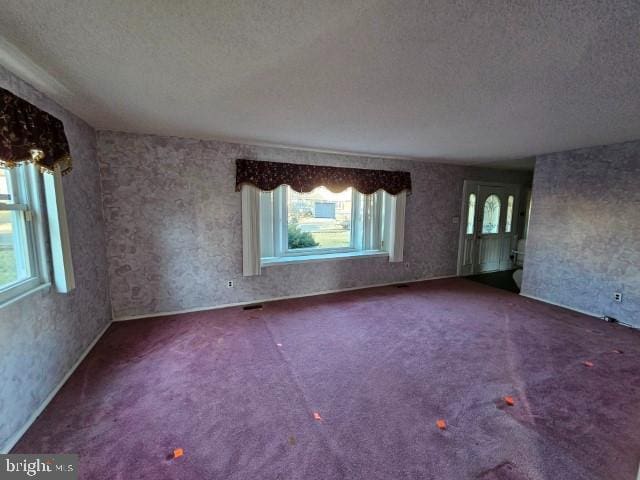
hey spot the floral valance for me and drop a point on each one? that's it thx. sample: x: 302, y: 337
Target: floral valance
x: 27, y: 134
x: 304, y: 178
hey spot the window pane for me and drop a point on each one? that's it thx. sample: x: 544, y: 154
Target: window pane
x: 472, y: 213
x: 491, y: 217
x: 507, y: 227
x: 15, y: 253
x: 8, y: 261
x: 5, y: 188
x: 319, y: 219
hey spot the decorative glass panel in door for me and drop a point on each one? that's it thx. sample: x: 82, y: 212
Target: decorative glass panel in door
x: 491, y: 217
x: 509, y: 219
x: 471, y: 215
x: 490, y: 231
x: 468, y: 239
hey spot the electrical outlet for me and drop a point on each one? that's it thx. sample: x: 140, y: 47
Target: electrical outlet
x: 617, y: 296
x: 230, y: 284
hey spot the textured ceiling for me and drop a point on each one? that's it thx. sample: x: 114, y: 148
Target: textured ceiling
x: 469, y: 81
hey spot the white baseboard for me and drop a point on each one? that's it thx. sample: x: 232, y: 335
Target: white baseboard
x: 543, y: 300
x: 599, y: 316
x: 13, y: 440
x: 273, y: 299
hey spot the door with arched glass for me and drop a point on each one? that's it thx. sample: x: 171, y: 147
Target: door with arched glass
x: 490, y: 229
x: 488, y: 232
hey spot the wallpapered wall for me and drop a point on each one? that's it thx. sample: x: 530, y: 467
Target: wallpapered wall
x: 43, y: 335
x: 173, y: 224
x: 584, y: 232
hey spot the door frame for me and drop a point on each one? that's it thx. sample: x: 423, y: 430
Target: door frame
x: 472, y: 186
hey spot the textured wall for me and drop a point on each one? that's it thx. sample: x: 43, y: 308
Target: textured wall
x: 43, y: 335
x: 584, y: 233
x: 174, y: 232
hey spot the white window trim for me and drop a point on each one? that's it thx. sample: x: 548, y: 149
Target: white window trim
x: 323, y: 257
x: 264, y: 218
x: 23, y: 290
x: 27, y: 181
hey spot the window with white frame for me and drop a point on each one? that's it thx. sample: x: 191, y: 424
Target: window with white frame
x: 21, y: 253
x: 320, y: 222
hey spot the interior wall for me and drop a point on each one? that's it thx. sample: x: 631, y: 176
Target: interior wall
x: 44, y: 334
x: 584, y: 234
x: 173, y: 224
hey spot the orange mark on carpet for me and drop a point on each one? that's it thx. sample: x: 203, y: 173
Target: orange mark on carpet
x: 441, y: 424
x: 178, y: 452
x: 587, y: 364
x: 509, y: 401
x: 317, y: 416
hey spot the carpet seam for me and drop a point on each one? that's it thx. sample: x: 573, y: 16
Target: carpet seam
x: 305, y: 400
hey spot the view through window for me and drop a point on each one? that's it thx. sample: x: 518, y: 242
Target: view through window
x: 8, y: 223
x: 319, y: 219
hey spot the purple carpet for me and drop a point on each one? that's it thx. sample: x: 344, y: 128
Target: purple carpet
x: 238, y: 389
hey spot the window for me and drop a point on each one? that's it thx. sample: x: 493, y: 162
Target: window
x: 20, y: 232
x: 294, y: 225
x: 491, y: 217
x: 507, y: 227
x: 471, y: 215
x: 320, y: 219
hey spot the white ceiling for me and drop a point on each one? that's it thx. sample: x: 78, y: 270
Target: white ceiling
x: 466, y: 81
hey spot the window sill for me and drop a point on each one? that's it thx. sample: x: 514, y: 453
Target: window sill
x: 323, y: 257
x: 21, y: 296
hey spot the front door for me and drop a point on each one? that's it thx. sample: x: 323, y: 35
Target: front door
x: 488, y: 230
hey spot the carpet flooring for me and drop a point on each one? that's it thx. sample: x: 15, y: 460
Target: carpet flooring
x: 350, y: 386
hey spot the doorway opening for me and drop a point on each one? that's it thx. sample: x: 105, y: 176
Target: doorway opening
x: 489, y: 231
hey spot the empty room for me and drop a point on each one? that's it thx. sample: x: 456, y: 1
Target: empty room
x: 361, y: 239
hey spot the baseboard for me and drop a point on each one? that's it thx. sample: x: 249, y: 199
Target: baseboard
x: 272, y: 299
x: 599, y: 316
x: 13, y: 440
x: 543, y: 300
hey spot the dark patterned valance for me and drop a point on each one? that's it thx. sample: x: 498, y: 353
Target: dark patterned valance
x: 304, y: 178
x: 27, y: 134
